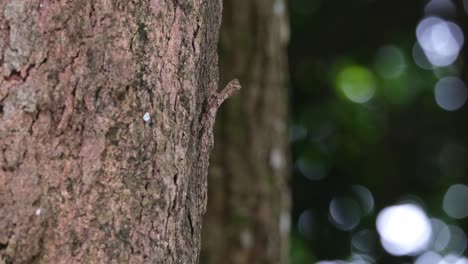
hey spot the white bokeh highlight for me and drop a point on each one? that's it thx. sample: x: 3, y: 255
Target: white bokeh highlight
x: 454, y: 201
x: 404, y: 229
x: 440, y: 40
x: 420, y: 57
x: 429, y: 258
x: 440, y: 235
x: 450, y: 93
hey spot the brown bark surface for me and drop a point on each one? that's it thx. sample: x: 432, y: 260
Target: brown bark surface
x: 84, y: 178
x: 248, y: 207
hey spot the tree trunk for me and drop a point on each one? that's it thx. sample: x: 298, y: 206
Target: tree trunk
x: 101, y: 157
x: 248, y: 214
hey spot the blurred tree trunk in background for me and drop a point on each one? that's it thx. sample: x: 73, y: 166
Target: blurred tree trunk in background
x: 248, y: 206
x: 100, y: 106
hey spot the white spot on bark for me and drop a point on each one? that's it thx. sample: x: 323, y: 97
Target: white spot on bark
x: 277, y: 160
x: 38, y: 211
x: 146, y: 117
x: 246, y: 239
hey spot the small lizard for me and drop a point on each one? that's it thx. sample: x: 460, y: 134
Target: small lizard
x: 206, y: 140
x: 213, y: 104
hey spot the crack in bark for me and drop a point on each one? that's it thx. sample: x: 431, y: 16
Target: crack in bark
x: 91, y: 15
x: 195, y: 35
x: 34, y: 120
x: 27, y: 71
x: 190, y: 224
x: 174, y: 200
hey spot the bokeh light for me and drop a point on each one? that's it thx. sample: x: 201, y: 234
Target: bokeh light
x: 379, y: 102
x: 434, y: 258
x: 440, y: 235
x: 420, y: 57
x: 453, y: 259
x: 450, y: 93
x: 457, y: 244
x: 440, y: 40
x: 345, y: 213
x: 312, y: 169
x: 356, y: 83
x: 404, y: 229
x: 454, y: 201
x: 444, y: 8
x: 354, y: 259
x: 364, y: 240
x: 306, y: 223
x: 429, y: 258
x: 361, y: 259
x: 390, y: 62
x: 365, y: 198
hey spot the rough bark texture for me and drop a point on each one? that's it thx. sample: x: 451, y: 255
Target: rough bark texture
x: 84, y: 178
x: 248, y: 207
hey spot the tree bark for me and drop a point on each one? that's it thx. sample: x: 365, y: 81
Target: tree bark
x: 100, y: 109
x: 248, y: 213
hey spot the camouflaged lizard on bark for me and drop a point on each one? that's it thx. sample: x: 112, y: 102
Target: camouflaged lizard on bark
x: 207, y: 123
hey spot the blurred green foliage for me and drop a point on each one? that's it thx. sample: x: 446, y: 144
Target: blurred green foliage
x: 364, y: 112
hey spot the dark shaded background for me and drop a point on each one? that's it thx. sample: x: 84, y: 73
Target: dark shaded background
x: 400, y: 145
